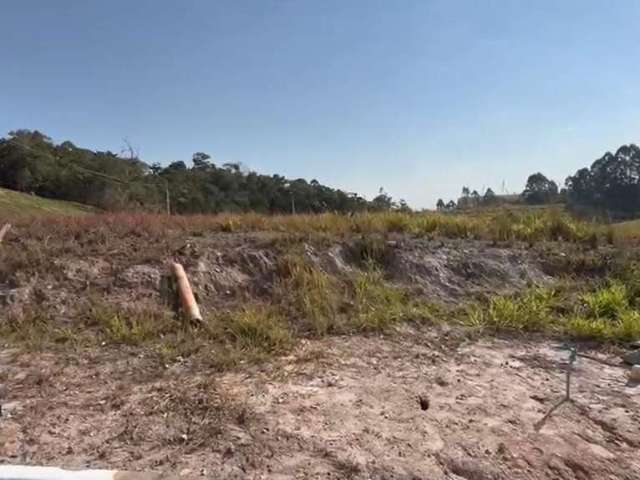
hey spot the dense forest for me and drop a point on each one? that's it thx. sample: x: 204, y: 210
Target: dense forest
x: 31, y: 162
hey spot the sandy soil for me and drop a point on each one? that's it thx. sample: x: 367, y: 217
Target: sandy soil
x: 416, y: 405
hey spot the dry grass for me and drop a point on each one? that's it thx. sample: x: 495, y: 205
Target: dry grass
x: 502, y: 225
x: 304, y: 300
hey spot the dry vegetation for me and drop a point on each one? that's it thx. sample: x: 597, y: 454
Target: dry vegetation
x: 525, y: 225
x: 316, y: 329
x: 303, y: 299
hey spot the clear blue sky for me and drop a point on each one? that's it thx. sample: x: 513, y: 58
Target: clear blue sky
x: 419, y: 97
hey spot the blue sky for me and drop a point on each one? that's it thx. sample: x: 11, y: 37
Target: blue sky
x: 419, y: 97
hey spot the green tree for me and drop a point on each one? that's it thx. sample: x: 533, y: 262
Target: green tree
x: 540, y: 189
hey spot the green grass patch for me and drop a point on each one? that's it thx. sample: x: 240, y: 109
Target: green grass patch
x: 604, y: 314
x: 14, y: 203
x: 530, y: 311
x: 376, y: 306
x: 256, y: 328
x: 309, y: 297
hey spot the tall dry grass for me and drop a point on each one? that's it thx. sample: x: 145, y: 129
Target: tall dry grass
x: 502, y: 225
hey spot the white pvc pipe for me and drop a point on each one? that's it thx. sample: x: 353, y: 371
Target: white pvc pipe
x: 21, y: 472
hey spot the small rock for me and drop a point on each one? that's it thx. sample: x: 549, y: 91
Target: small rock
x: 634, y: 374
x: 184, y: 472
x: 10, y: 408
x: 632, y: 357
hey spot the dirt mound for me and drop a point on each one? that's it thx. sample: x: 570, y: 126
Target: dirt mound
x: 231, y: 268
x: 450, y: 272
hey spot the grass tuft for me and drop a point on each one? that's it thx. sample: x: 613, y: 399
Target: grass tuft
x: 309, y: 296
x: 530, y: 311
x: 255, y: 328
x: 608, y: 302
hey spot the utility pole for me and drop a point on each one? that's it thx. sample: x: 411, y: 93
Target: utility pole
x: 167, y: 196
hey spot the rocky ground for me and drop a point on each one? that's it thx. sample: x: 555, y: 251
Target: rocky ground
x: 427, y: 404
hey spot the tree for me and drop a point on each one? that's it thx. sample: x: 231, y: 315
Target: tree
x: 201, y: 161
x: 403, y: 206
x: 451, y: 205
x: 489, y: 197
x: 440, y: 204
x: 540, y: 189
x: 32, y: 162
x: 612, y: 182
x: 465, y: 191
x: 383, y: 201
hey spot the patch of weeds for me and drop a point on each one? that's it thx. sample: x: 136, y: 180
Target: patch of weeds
x: 588, y: 328
x: 530, y: 311
x: 603, y: 314
x: 308, y: 295
x: 184, y: 342
x: 608, y: 302
x: 128, y: 325
x: 376, y: 305
x: 255, y: 328
x: 627, y: 271
x: 625, y: 327
x: 371, y: 249
x: 34, y: 330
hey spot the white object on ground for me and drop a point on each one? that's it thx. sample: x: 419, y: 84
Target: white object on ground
x: 23, y: 472
x: 634, y: 374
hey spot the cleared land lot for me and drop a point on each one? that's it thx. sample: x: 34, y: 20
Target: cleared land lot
x: 344, y: 348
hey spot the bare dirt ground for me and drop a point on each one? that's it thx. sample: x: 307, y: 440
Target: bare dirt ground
x: 429, y: 404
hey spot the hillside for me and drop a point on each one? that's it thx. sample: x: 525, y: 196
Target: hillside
x: 17, y: 203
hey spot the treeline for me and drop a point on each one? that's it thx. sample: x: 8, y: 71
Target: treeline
x: 31, y: 162
x: 612, y: 183
x: 610, y: 186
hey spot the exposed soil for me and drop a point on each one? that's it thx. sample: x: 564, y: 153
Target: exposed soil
x: 59, y: 275
x: 416, y: 405
x: 424, y: 403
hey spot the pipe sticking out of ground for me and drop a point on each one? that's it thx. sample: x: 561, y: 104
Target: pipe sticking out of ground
x: 187, y: 300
